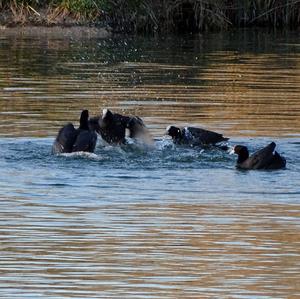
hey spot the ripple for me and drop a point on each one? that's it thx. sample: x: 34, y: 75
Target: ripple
x: 149, y: 220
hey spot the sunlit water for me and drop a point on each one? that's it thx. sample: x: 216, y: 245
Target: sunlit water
x: 149, y: 221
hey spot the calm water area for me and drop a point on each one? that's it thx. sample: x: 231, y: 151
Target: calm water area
x: 141, y: 221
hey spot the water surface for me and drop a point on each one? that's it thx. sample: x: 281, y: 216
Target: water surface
x: 142, y: 221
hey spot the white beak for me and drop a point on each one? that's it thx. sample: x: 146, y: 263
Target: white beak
x: 231, y: 151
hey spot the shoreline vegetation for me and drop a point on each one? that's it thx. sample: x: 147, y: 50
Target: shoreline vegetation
x: 150, y: 16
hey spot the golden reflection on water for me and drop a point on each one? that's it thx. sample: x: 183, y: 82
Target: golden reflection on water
x: 177, y: 251
x: 239, y: 94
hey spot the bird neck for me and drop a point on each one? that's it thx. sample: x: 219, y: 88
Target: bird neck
x: 243, y: 155
x: 84, y: 124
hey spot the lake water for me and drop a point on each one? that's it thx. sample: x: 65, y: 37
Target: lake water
x: 143, y: 221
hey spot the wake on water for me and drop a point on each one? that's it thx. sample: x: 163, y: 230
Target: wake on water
x: 161, y: 153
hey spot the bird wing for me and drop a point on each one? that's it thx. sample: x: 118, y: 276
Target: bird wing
x: 85, y: 141
x: 136, y: 127
x: 277, y: 162
x: 65, y: 139
x: 262, y: 158
x: 205, y: 136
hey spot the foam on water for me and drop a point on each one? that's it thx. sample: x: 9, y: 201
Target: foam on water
x: 86, y: 155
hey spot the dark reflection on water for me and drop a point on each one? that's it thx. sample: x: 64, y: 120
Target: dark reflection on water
x: 139, y: 221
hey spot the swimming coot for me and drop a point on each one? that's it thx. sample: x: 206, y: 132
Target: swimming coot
x: 194, y: 136
x: 71, y: 140
x: 265, y: 158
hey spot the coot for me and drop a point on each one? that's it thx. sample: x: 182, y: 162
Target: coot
x: 194, y: 136
x: 112, y: 126
x: 265, y: 158
x: 71, y: 140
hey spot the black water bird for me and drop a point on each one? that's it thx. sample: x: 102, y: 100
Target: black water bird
x: 194, y: 136
x: 112, y: 126
x: 71, y: 140
x: 265, y: 158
